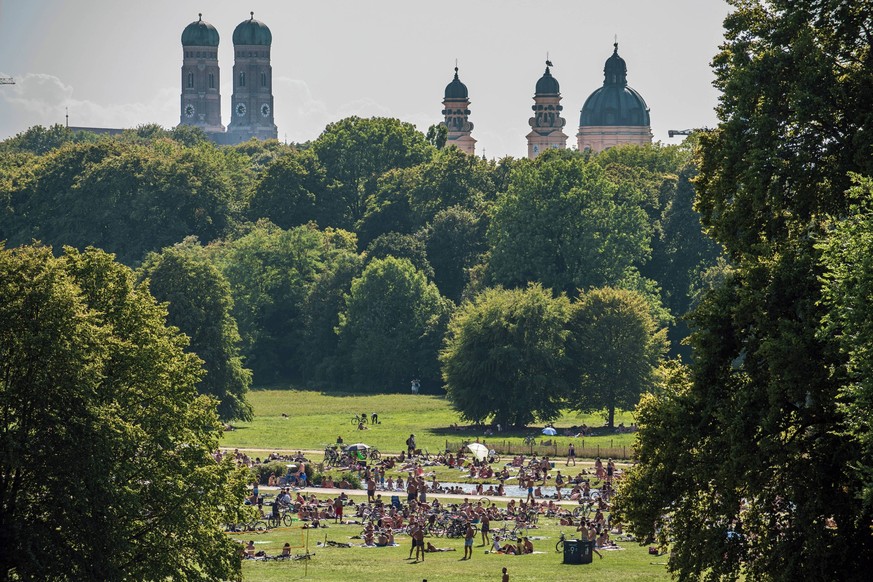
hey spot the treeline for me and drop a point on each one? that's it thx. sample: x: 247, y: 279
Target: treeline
x: 342, y: 262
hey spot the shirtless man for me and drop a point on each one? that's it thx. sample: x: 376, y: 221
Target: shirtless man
x: 468, y: 542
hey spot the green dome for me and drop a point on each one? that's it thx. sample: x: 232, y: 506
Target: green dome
x: 200, y: 33
x: 548, y: 85
x: 252, y: 32
x: 615, y: 104
x: 456, y: 89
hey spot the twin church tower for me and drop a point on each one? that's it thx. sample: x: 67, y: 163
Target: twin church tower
x: 252, y: 101
x: 614, y: 114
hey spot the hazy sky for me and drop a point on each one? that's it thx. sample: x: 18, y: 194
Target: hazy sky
x: 116, y: 63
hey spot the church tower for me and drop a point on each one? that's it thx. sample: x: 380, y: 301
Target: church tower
x: 614, y: 114
x: 252, y: 102
x: 455, y: 104
x: 547, y: 123
x: 201, y: 97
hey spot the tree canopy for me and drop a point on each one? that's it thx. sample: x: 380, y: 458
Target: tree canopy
x: 504, y: 356
x: 763, y: 476
x: 106, y: 470
x: 199, y: 303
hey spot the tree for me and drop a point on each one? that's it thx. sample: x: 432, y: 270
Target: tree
x: 393, y: 323
x: 124, y: 198
x: 106, y: 470
x: 769, y: 484
x: 437, y: 135
x: 455, y: 243
x: 199, y: 303
x: 564, y: 224
x: 270, y: 271
x: 504, y: 356
x: 615, y: 346
x: 289, y: 192
x: 848, y: 286
x: 401, y: 246
x: 355, y: 152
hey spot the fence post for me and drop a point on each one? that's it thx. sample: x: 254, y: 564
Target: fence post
x: 598, y: 450
x: 624, y: 448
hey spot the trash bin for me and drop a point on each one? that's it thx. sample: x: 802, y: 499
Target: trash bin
x: 572, y: 552
x: 577, y: 552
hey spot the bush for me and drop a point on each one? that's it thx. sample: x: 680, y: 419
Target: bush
x: 353, y: 479
x: 262, y: 472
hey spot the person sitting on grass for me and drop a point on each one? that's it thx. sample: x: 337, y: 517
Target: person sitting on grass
x: 250, y: 549
x: 526, y: 546
x: 286, y: 550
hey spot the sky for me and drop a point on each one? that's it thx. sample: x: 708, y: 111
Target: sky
x: 116, y: 63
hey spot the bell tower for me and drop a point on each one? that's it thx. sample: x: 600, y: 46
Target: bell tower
x: 455, y: 110
x: 201, y: 97
x: 547, y: 123
x: 252, y: 101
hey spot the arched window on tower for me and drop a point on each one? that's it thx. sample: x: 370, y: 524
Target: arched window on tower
x: 211, y: 81
x: 263, y: 79
x: 242, y: 79
x: 190, y: 80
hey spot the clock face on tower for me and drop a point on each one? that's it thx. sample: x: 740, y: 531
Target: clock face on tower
x: 189, y: 110
x: 240, y: 109
x: 265, y: 110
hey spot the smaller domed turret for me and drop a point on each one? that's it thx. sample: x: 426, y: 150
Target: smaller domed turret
x: 456, y: 89
x: 615, y: 69
x: 200, y: 33
x: 252, y: 32
x: 548, y: 85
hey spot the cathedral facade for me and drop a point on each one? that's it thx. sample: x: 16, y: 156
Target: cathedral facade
x: 251, y: 113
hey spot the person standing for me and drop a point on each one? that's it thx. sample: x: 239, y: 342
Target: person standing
x: 571, y: 454
x: 371, y: 489
x: 505, y: 576
x: 410, y: 445
x: 468, y: 542
x: 338, y: 509
x: 486, y: 528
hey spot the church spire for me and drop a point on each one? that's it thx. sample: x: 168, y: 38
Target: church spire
x: 455, y: 111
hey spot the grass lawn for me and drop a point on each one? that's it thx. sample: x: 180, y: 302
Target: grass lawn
x: 315, y: 419
x: 390, y: 564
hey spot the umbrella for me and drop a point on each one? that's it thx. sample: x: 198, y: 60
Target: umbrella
x: 357, y: 447
x: 550, y: 431
x: 479, y: 451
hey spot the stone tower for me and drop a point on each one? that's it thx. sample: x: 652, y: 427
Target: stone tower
x: 201, y: 96
x: 252, y: 102
x: 547, y: 123
x: 614, y: 114
x: 455, y: 110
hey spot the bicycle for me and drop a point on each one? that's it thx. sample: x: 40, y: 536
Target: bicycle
x: 559, y: 547
x: 530, y: 440
x: 356, y: 420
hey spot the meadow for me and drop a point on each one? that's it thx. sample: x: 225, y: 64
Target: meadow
x: 390, y: 564
x: 309, y: 420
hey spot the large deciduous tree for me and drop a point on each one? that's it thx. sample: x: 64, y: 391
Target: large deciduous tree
x: 504, y: 356
x: 356, y: 151
x: 615, y: 345
x: 106, y: 449
x: 392, y: 326
x: 768, y: 482
x: 199, y: 303
x: 565, y: 224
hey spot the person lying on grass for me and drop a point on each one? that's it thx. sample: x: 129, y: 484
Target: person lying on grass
x: 430, y: 548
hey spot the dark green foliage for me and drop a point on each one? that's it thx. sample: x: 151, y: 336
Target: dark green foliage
x: 455, y: 243
x: 392, y: 326
x: 126, y: 199
x: 106, y: 470
x: 401, y: 246
x: 504, y: 356
x: 437, y: 135
x: 355, y: 152
x: 765, y: 442
x: 290, y: 192
x: 270, y: 271
x: 40, y: 140
x: 200, y: 305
